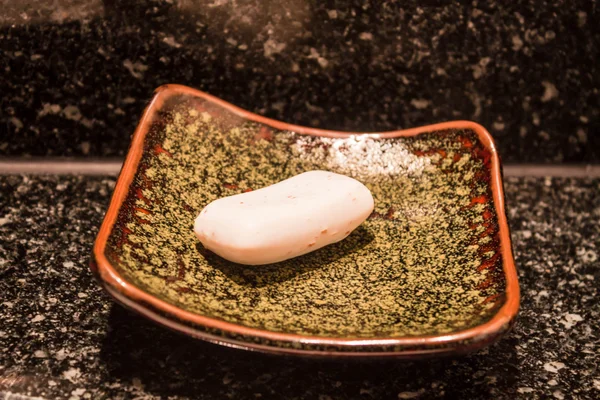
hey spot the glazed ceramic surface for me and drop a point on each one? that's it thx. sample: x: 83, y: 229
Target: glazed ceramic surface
x: 430, y: 271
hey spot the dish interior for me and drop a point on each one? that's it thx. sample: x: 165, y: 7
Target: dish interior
x: 426, y: 262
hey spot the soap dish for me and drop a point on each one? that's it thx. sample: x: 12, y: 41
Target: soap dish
x: 430, y: 272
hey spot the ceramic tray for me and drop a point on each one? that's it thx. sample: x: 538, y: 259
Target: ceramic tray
x: 430, y: 272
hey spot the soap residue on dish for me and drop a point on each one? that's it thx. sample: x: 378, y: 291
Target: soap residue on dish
x: 362, y: 155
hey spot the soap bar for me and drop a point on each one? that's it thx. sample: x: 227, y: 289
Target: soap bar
x: 285, y: 220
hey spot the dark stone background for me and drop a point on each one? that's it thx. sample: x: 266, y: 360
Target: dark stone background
x: 76, y: 74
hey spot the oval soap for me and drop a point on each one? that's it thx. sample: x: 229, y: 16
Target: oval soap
x: 285, y: 220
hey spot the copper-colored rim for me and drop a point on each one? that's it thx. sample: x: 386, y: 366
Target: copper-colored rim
x: 110, y: 276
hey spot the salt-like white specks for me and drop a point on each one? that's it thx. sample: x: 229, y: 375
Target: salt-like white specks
x: 314, y: 54
x: 136, y: 69
x: 72, y: 374
x: 272, y: 46
x: 40, y: 354
x: 61, y: 354
x: 498, y: 125
x: 366, y: 156
x: 38, y: 318
x: 410, y: 395
x: 49, y: 109
x: 517, y: 43
x: 170, y: 40
x: 587, y: 256
x: 550, y: 91
x: 420, y: 104
x: 77, y: 393
x: 554, y: 366
x: 17, y: 123
x: 72, y: 112
x: 525, y: 390
x: 571, y: 320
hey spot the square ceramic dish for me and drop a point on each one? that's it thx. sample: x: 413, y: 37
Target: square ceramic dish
x: 430, y: 271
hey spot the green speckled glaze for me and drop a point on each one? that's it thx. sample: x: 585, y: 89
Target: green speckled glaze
x: 426, y: 262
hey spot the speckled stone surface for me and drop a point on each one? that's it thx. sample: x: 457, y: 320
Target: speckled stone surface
x: 78, y: 72
x: 63, y: 338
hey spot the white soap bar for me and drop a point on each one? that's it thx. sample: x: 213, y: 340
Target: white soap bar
x: 285, y: 220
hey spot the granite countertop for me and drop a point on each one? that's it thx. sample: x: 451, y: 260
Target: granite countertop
x: 81, y: 71
x: 63, y: 338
